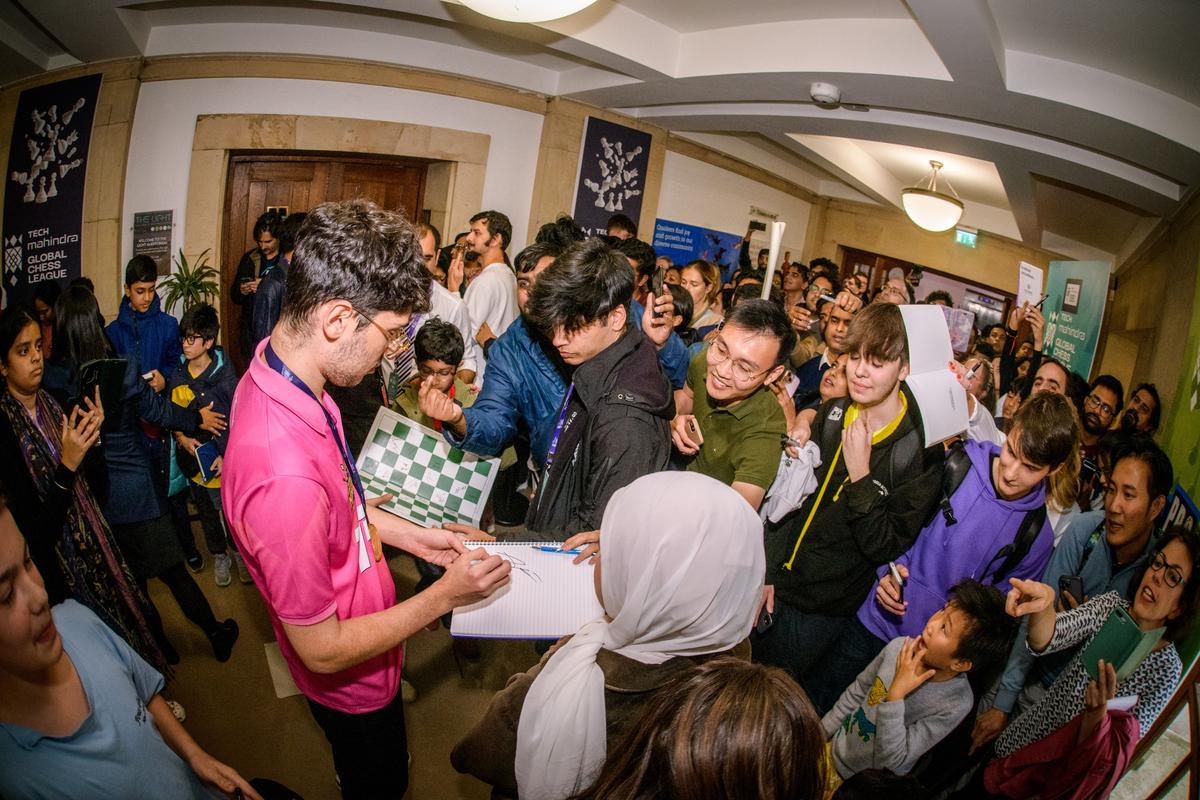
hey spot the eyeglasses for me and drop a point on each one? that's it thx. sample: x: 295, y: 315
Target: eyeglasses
x: 193, y: 339
x: 743, y: 371
x: 1172, y: 577
x: 426, y: 372
x: 1095, y: 402
x: 397, y: 341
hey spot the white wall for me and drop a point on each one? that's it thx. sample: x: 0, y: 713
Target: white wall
x: 160, y: 146
x: 701, y: 194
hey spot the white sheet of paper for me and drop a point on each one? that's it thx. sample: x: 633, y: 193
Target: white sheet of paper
x: 1029, y: 284
x: 1123, y: 703
x: 548, y: 596
x: 940, y: 397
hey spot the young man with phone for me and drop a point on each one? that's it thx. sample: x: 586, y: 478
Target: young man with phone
x: 999, y: 531
x: 1103, y: 550
x: 729, y: 421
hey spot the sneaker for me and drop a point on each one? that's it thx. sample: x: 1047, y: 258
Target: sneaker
x: 408, y: 692
x: 243, y: 573
x: 195, y: 561
x: 177, y: 710
x: 222, y: 564
x: 223, y: 638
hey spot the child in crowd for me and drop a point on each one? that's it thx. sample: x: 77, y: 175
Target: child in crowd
x: 916, y: 691
x: 439, y: 351
x: 205, y: 377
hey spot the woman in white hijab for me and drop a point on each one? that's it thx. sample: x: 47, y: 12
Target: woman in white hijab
x: 681, y: 582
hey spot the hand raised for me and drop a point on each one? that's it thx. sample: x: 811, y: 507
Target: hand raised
x: 1028, y: 597
x: 435, y: 404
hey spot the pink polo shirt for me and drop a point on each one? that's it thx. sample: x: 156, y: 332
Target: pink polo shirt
x: 286, y: 497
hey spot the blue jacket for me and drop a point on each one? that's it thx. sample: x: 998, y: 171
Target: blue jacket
x: 523, y: 384
x: 215, y: 385
x: 150, y: 338
x: 945, y: 554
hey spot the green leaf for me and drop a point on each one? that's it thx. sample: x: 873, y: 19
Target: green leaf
x: 190, y: 284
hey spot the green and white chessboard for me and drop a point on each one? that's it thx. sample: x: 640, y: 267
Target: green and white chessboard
x: 431, y: 482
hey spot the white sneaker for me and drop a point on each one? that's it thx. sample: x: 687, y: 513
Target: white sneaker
x: 222, y: 566
x: 177, y: 710
x: 243, y: 573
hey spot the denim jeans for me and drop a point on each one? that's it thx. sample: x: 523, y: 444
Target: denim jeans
x: 846, y: 658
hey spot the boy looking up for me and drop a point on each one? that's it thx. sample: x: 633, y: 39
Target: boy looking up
x: 878, y: 484
x: 204, y: 376
x: 1000, y: 532
x: 916, y: 691
x: 728, y: 417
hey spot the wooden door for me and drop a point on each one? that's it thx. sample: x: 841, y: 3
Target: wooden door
x: 298, y: 182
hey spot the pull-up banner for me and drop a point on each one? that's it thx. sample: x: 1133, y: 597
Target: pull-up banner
x: 612, y: 174
x: 43, y: 193
x: 1074, y: 309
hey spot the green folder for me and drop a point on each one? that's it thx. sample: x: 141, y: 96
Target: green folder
x: 109, y: 375
x: 1120, y: 643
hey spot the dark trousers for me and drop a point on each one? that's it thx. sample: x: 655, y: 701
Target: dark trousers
x: 845, y: 659
x: 370, y: 751
x: 797, y: 640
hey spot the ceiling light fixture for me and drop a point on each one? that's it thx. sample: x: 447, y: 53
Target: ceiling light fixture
x: 527, y: 10
x: 930, y: 209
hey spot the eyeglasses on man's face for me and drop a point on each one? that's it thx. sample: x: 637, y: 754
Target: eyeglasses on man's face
x: 743, y: 371
x: 1095, y: 403
x: 397, y: 341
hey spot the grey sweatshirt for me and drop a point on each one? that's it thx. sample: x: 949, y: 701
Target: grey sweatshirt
x: 868, y: 731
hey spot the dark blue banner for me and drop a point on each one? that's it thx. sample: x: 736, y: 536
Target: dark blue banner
x: 612, y: 174
x: 43, y: 195
x: 683, y: 243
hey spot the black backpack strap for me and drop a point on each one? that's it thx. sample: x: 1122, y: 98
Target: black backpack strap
x: 1015, y: 552
x: 954, y: 472
x: 832, y: 416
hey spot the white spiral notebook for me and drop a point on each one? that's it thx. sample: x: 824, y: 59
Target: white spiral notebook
x: 547, y: 597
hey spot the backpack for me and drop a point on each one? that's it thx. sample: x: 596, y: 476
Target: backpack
x: 957, y: 465
x: 906, y: 453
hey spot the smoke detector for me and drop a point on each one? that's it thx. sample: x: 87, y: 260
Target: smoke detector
x: 825, y: 94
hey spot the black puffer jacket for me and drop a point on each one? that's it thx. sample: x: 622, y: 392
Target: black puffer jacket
x: 615, y: 431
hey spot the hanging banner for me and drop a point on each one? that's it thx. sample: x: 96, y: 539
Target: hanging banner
x: 43, y: 195
x: 682, y: 243
x: 152, y: 237
x: 612, y: 174
x: 1076, y: 292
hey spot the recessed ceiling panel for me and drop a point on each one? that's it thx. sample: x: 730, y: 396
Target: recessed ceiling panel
x: 688, y: 16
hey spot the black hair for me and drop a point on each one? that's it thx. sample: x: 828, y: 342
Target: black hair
x: 48, y: 292
x: 439, y: 340
x: 78, y: 335
x: 528, y: 258
x: 681, y: 304
x: 1156, y: 414
x: 497, y: 224
x: 200, y: 320
x: 86, y: 283
x: 357, y: 252
x: 622, y: 223
x: 583, y: 285
x: 990, y: 630
x: 939, y: 294
x: 879, y: 784
x: 563, y: 232
x: 141, y: 269
x: 1114, y: 385
x: 289, y: 229
x: 13, y: 320
x: 765, y: 317
x: 1178, y: 627
x: 1142, y: 448
x: 1028, y: 388
x: 752, y: 291
x: 745, y: 275
x: 987, y: 330
x: 640, y: 253
x: 763, y: 251
x: 1048, y: 429
x: 267, y: 222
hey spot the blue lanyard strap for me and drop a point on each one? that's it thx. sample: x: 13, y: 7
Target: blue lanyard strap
x: 558, y: 427
x: 276, y: 363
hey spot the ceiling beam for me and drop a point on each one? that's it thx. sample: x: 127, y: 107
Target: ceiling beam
x: 94, y: 31
x: 1018, y: 186
x: 966, y: 38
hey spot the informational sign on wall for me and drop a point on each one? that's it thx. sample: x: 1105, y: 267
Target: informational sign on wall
x: 43, y: 196
x: 612, y: 174
x: 1076, y: 292
x: 683, y: 243
x: 152, y: 237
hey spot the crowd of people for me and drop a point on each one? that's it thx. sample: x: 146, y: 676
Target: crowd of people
x: 802, y: 597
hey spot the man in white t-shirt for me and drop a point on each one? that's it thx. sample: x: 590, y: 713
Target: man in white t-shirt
x: 492, y: 297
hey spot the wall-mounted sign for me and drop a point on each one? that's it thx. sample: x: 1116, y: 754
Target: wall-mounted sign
x: 152, y: 237
x: 612, y: 174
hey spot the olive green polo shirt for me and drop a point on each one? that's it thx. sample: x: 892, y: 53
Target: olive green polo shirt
x: 742, y: 442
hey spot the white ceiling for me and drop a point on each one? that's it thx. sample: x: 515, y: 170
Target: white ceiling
x: 1070, y: 126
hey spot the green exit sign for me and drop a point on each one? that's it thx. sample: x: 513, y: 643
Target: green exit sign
x: 965, y: 237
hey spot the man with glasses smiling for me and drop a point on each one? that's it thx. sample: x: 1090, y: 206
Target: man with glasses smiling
x: 729, y: 419
x: 310, y: 538
x: 1099, y: 410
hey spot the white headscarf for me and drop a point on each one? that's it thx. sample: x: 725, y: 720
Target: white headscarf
x: 682, y: 571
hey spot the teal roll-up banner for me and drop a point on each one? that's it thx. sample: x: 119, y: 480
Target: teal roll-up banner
x: 1074, y: 309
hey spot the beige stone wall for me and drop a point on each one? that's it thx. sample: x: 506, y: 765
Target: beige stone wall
x: 889, y: 232
x: 105, y: 179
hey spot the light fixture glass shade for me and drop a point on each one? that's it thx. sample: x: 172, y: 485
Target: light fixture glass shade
x: 527, y: 10
x: 931, y: 210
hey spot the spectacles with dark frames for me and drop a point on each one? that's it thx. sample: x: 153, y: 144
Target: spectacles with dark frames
x: 1095, y: 402
x: 718, y: 354
x: 1173, y: 576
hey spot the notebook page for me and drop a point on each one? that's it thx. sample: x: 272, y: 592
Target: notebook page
x: 547, y: 597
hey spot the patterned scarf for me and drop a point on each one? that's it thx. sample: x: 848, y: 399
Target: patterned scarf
x: 95, y: 570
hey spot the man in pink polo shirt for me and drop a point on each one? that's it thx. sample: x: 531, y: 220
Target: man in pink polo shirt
x: 310, y: 538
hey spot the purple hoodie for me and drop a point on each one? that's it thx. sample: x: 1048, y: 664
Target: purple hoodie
x: 943, y: 555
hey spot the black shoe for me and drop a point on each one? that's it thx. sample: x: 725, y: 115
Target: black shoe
x: 222, y: 639
x: 195, y: 561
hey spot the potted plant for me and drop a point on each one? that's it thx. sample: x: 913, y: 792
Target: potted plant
x: 190, y: 284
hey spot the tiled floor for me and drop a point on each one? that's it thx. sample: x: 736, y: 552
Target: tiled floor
x: 232, y: 710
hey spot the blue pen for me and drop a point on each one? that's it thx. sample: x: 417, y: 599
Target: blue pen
x: 545, y: 549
